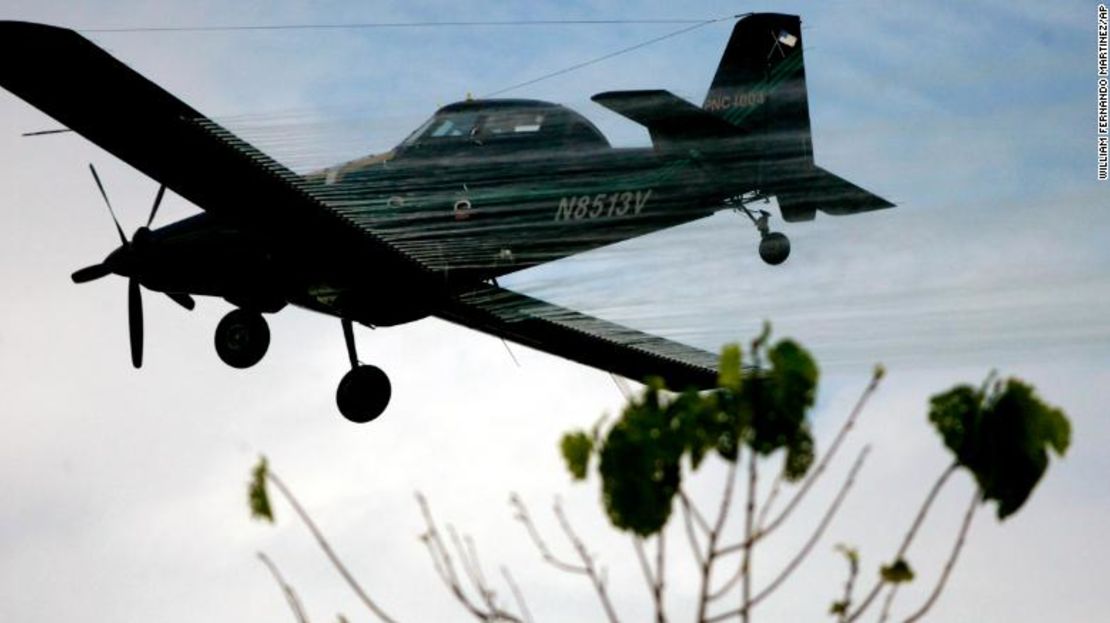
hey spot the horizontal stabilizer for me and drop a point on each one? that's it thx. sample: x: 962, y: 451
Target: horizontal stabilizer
x: 669, y: 118
x: 800, y: 196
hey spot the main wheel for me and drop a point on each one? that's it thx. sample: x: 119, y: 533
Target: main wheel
x: 363, y: 394
x: 242, y: 338
x: 774, y: 248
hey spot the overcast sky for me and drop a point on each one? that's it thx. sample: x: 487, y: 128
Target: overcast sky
x: 122, y: 491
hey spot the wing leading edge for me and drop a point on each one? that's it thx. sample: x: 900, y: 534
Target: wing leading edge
x: 77, y: 83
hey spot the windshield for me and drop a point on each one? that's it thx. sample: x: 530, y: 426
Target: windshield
x: 475, y: 124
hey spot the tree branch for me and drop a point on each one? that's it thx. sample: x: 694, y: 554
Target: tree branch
x: 908, y: 539
x: 290, y: 594
x: 948, y: 566
x: 749, y: 525
x: 817, y: 471
x: 441, y: 558
x: 587, y: 563
x: 816, y: 536
x: 713, y: 534
x: 522, y: 515
x: 517, y: 595
x: 369, y: 603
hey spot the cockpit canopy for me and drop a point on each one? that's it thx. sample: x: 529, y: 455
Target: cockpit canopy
x: 490, y: 125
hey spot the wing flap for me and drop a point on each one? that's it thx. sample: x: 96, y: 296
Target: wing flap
x: 582, y: 338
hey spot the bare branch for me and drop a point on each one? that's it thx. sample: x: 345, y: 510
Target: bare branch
x: 765, y: 510
x: 441, y: 558
x: 951, y: 560
x: 290, y: 594
x: 660, y: 557
x: 687, y: 519
x: 587, y: 563
x: 654, y: 579
x: 887, y: 603
x: 522, y: 515
x: 702, y: 523
x: 749, y: 525
x: 908, y: 539
x: 817, y: 471
x: 355, y: 586
x: 517, y: 595
x: 713, y: 534
x: 814, y: 538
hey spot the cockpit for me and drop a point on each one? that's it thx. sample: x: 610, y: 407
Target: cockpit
x: 483, y: 126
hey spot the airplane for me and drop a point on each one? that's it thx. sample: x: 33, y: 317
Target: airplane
x: 484, y: 188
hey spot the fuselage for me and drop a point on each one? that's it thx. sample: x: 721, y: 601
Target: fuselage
x: 470, y: 204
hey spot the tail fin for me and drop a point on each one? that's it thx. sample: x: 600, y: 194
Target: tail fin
x: 760, y: 85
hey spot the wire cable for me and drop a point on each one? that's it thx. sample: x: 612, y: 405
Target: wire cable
x: 373, y: 25
x: 605, y: 57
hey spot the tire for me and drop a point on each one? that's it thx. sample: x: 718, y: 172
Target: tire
x: 774, y: 248
x: 363, y: 394
x: 242, y: 338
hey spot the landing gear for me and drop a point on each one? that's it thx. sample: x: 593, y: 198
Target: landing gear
x: 363, y: 392
x: 242, y: 338
x: 774, y: 247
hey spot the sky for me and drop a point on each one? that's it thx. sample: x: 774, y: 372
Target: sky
x: 124, y: 491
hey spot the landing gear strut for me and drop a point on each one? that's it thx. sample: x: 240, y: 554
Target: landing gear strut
x: 363, y: 392
x: 774, y: 247
x: 242, y: 338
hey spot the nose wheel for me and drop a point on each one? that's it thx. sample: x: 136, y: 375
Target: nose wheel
x: 365, y: 390
x: 242, y: 338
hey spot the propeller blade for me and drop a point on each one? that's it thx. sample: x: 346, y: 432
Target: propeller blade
x: 157, y: 202
x: 135, y: 321
x: 115, y: 220
x: 182, y: 299
x: 91, y: 273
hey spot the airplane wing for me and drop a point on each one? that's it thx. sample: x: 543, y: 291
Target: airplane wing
x: 581, y: 338
x: 83, y: 87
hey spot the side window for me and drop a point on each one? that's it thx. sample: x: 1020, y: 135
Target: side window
x: 511, y: 124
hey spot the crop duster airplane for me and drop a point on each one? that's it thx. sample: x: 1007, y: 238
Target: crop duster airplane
x: 484, y: 188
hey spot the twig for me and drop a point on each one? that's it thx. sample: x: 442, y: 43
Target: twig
x: 749, y: 525
x: 951, y: 560
x: 441, y: 559
x: 814, y: 538
x: 522, y: 515
x: 654, y: 580
x: 887, y: 603
x: 765, y: 510
x: 598, y: 580
x: 817, y: 471
x: 290, y: 594
x: 714, y: 533
x: 687, y: 519
x: 369, y: 603
x: 853, y: 573
x: 660, y: 557
x: 908, y: 539
x: 517, y: 595
x: 702, y: 523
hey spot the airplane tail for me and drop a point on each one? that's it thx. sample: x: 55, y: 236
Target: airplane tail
x: 760, y: 86
x: 758, y: 106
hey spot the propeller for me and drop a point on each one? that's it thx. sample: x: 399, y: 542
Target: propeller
x: 126, y: 261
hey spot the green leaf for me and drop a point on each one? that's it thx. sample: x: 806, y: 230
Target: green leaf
x: 839, y: 607
x: 577, y: 446
x: 639, y: 465
x: 897, y: 572
x: 731, y: 375
x: 1001, y: 433
x: 778, y: 400
x: 800, y: 454
x: 257, y: 496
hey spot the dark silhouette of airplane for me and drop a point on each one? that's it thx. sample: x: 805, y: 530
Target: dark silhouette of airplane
x: 482, y: 189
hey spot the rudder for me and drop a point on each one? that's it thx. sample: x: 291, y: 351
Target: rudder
x: 760, y: 85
